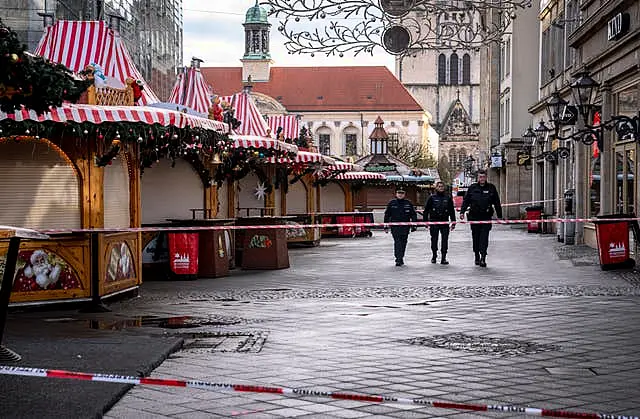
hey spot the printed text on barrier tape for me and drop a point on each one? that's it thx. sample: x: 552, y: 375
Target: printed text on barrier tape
x: 294, y: 392
x: 294, y: 226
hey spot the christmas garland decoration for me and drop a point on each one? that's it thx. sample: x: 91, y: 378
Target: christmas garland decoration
x: 33, y: 82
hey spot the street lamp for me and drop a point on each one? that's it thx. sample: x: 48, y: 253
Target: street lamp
x: 584, y: 90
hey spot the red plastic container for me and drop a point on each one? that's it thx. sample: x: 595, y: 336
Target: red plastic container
x: 613, y: 242
x: 534, y: 213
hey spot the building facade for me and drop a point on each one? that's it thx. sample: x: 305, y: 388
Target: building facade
x: 446, y: 83
x: 601, y: 39
x: 151, y: 29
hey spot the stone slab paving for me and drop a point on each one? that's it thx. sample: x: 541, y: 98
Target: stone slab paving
x: 530, y: 330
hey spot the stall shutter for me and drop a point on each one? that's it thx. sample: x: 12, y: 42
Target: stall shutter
x: 40, y: 189
x: 223, y: 200
x: 116, y: 194
x: 170, y: 192
x: 332, y: 198
x: 297, y: 199
x: 247, y: 200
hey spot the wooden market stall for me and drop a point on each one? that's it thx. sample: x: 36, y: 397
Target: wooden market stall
x: 77, y: 167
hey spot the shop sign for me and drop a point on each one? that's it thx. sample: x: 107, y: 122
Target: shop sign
x: 524, y: 158
x: 496, y: 161
x: 386, y: 168
x: 618, y: 26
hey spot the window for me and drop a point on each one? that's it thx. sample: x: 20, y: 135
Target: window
x: 507, y: 58
x: 324, y: 143
x: 501, y: 69
x: 394, y: 141
x: 466, y: 69
x: 453, y: 69
x: 507, y: 116
x: 351, y: 145
x: 442, y: 69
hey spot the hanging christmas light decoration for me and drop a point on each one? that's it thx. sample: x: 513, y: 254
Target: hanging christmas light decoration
x: 398, y: 26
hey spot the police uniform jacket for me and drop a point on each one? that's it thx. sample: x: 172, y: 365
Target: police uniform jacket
x: 400, y: 210
x: 439, y: 207
x: 481, y: 200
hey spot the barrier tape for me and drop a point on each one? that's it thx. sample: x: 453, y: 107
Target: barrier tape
x: 300, y: 393
x: 297, y: 226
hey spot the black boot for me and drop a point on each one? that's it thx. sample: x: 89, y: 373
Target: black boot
x: 434, y: 258
x: 483, y: 260
x: 477, y: 262
x: 444, y: 260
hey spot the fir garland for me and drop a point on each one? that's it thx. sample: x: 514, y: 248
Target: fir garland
x: 30, y: 81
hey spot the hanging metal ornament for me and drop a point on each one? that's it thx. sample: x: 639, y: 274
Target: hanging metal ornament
x: 398, y: 26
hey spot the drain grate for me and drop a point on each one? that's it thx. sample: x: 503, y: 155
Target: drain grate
x: 204, y: 343
x: 482, y: 344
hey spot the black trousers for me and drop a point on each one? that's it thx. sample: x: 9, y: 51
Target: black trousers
x: 480, y: 236
x: 435, y: 231
x: 399, y: 244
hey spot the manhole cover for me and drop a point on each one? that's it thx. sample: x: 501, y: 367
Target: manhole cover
x: 226, y: 342
x: 482, y: 344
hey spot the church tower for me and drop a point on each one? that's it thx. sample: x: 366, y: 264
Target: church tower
x: 256, y: 62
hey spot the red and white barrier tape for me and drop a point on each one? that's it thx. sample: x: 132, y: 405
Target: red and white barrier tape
x: 294, y: 392
x: 294, y: 226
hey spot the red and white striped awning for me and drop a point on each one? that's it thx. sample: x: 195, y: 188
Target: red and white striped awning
x: 289, y: 124
x: 360, y: 176
x: 340, y: 166
x: 246, y: 141
x: 76, y: 44
x: 306, y: 157
x: 101, y: 114
x: 191, y: 90
x: 246, y: 111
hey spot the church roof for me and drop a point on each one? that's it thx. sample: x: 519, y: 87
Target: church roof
x: 322, y: 89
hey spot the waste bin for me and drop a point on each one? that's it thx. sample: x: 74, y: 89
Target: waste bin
x: 612, y: 233
x: 534, y: 213
x: 266, y: 248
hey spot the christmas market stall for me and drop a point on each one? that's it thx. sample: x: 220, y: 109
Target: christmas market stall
x: 344, y: 184
x: 375, y: 196
x: 251, y: 174
x: 68, y: 168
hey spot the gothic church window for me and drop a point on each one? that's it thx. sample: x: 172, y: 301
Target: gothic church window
x: 453, y: 69
x: 442, y: 69
x: 466, y: 69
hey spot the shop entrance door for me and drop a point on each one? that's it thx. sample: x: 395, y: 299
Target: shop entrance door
x: 625, y: 184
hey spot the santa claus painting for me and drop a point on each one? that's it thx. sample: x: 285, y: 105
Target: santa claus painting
x: 39, y: 270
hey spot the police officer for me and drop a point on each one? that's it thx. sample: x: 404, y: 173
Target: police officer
x: 400, y: 210
x: 439, y: 207
x: 481, y: 199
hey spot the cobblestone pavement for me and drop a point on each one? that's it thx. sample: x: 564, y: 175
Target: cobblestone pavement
x: 532, y: 329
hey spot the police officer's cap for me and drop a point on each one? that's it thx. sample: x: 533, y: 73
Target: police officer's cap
x: 400, y: 189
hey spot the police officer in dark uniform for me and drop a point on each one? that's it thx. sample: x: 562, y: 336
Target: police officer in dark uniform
x: 400, y: 210
x: 481, y: 199
x: 439, y: 207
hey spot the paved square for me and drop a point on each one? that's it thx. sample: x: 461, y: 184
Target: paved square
x: 530, y: 330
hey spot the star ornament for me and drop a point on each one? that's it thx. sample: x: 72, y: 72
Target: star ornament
x: 260, y: 191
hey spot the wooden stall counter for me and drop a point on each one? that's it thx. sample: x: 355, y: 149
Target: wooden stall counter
x: 346, y: 218
x: 309, y: 236
x: 262, y: 248
x: 186, y: 254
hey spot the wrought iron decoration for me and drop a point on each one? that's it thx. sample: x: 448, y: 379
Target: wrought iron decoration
x: 398, y: 26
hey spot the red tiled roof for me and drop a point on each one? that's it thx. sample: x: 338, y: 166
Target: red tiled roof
x: 321, y: 89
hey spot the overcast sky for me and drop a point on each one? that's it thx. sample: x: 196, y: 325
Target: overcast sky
x: 213, y: 32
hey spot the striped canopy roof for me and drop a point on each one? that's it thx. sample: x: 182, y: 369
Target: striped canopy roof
x: 101, y: 114
x: 76, y: 44
x: 191, y: 90
x: 289, y: 124
x: 246, y: 111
